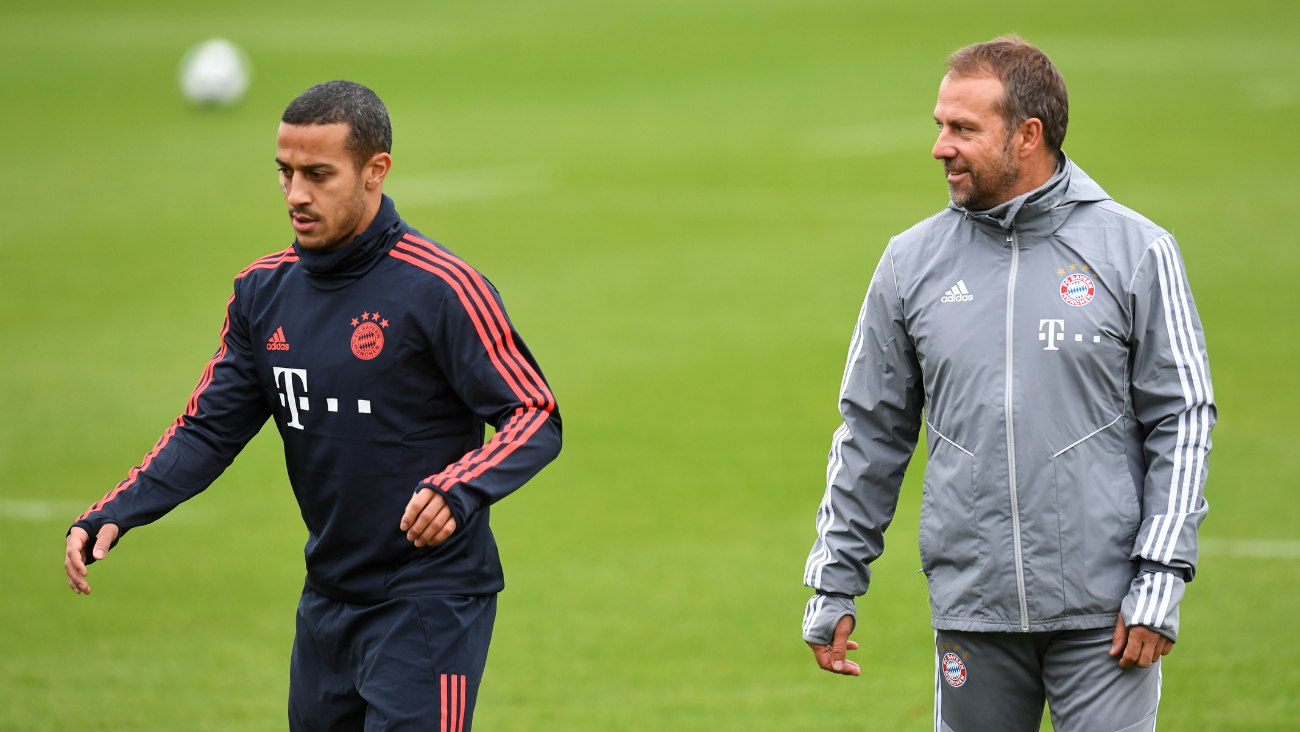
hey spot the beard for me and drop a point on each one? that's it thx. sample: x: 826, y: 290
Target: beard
x: 988, y: 184
x: 339, y: 231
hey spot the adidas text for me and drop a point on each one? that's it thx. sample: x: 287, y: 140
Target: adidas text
x: 958, y: 293
x: 278, y: 342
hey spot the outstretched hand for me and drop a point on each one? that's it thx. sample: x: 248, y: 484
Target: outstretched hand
x: 428, y: 518
x: 1140, y: 644
x: 832, y: 657
x: 74, y: 559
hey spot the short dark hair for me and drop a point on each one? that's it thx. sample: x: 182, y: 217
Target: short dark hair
x: 1034, y: 86
x: 335, y: 102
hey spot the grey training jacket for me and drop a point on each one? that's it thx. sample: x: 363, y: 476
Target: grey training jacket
x: 1054, y: 348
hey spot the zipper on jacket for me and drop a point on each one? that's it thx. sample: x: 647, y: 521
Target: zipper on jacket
x: 1011, y: 436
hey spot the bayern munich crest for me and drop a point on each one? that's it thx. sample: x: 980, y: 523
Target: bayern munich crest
x: 954, y: 670
x: 368, y: 335
x: 1077, y: 290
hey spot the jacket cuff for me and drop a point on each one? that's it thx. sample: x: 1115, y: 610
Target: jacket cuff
x: 823, y: 613
x: 92, y: 526
x: 462, y: 502
x: 1152, y: 601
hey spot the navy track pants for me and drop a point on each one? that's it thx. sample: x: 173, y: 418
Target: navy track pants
x: 412, y: 663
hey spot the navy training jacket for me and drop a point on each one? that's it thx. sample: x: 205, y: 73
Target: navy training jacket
x: 380, y: 363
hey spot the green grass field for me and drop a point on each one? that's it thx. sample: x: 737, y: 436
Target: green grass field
x: 682, y: 203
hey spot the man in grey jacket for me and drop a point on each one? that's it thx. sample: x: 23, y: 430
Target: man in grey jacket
x: 1047, y: 338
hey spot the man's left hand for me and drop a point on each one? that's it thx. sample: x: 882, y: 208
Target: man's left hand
x: 428, y: 518
x: 1141, y: 645
x: 831, y: 657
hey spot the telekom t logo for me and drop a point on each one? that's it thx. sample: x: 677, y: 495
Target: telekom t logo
x: 293, y: 401
x: 1054, y: 334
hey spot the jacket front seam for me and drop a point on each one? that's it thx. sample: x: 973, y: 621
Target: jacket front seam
x: 1136, y: 271
x: 1092, y: 434
x: 893, y: 272
x: 898, y: 297
x: 950, y: 442
x: 1008, y: 406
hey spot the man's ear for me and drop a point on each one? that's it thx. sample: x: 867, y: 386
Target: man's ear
x: 376, y: 169
x: 1030, y: 137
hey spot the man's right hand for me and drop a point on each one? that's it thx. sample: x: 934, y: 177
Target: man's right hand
x: 428, y: 519
x: 831, y: 657
x: 74, y: 560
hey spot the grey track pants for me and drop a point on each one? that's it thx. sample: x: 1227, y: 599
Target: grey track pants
x: 998, y: 682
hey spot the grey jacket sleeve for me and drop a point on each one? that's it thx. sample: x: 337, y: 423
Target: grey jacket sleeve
x: 881, y: 397
x: 1174, y: 404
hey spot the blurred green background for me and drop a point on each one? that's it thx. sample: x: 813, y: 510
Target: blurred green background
x: 682, y: 203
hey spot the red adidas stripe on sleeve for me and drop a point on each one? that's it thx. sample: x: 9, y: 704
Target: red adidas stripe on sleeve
x: 270, y: 261
x: 525, y: 422
x: 494, y: 331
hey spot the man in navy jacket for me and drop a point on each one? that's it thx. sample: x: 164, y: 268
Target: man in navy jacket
x: 380, y: 356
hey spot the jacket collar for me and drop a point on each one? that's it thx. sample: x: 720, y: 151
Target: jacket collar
x: 1041, y: 211
x: 336, y: 269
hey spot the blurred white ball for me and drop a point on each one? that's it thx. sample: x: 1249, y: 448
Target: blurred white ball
x: 215, y: 72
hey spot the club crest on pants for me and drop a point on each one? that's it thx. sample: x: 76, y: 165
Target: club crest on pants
x: 954, y: 670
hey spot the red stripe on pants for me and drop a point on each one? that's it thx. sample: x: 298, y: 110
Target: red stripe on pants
x: 455, y: 703
x: 460, y: 726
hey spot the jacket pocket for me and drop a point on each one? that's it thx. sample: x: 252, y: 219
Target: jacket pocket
x: 949, y: 536
x: 1098, y: 518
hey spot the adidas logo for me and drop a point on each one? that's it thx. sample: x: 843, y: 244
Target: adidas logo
x: 958, y: 293
x: 277, y: 342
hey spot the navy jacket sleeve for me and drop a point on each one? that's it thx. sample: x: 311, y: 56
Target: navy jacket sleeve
x: 224, y: 412
x: 493, y: 372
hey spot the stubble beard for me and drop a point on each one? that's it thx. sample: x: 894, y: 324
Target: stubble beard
x: 988, y: 186
x: 349, y: 217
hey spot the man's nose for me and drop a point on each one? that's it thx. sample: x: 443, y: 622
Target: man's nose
x: 297, y: 194
x: 942, y: 149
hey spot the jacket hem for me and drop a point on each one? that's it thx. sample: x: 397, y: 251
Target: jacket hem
x: 982, y: 625
x: 405, y: 591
